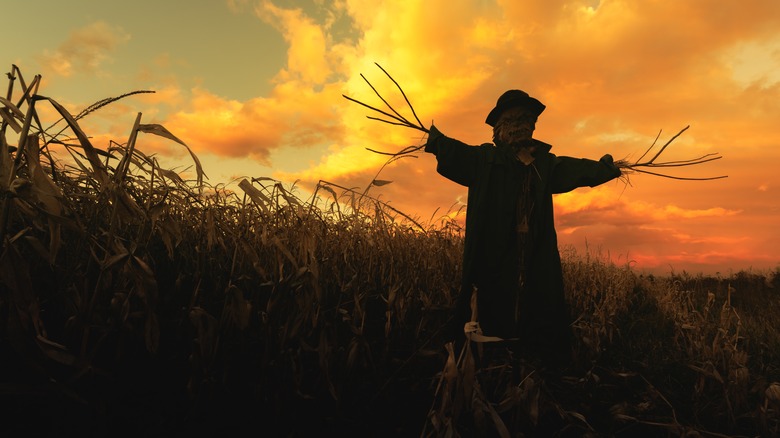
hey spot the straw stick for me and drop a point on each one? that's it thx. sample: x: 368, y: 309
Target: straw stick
x: 399, y: 119
x: 641, y: 166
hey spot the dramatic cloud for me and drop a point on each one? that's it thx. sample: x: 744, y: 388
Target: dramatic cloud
x: 289, y: 118
x: 298, y: 113
x: 307, y: 59
x: 612, y: 73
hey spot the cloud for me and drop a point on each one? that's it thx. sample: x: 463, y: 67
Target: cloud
x: 236, y: 6
x: 299, y: 112
x: 612, y: 73
x: 289, y: 118
x: 307, y: 58
x: 84, y: 50
x: 612, y: 76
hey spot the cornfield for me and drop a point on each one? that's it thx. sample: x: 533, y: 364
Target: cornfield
x: 134, y: 301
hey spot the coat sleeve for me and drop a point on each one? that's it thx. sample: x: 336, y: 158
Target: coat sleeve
x: 456, y: 160
x: 570, y: 173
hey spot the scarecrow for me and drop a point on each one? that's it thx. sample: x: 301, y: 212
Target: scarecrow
x: 511, y: 259
x: 511, y: 248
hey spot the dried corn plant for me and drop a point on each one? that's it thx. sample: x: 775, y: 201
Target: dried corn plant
x: 111, y: 252
x: 41, y: 202
x: 715, y: 345
x: 598, y: 291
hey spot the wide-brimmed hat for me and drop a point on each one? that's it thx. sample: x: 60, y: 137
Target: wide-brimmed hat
x: 511, y: 99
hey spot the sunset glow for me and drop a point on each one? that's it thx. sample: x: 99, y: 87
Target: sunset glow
x: 255, y: 89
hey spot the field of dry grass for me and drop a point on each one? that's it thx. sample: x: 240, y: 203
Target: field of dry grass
x: 133, y: 301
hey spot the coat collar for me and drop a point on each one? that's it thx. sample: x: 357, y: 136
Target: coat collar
x: 503, y: 155
x: 541, y: 147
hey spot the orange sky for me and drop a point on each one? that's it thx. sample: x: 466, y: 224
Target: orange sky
x: 255, y: 89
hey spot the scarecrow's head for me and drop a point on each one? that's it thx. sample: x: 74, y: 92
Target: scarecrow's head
x: 514, y: 117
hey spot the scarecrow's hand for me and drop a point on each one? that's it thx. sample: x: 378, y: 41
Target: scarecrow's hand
x: 433, y: 136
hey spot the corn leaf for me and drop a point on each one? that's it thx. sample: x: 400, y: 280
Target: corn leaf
x: 97, y: 166
x: 46, y: 192
x: 8, y: 115
x: 6, y: 162
x: 256, y: 195
x: 160, y: 130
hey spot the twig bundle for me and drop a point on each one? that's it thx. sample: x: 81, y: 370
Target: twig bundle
x: 396, y: 117
x: 640, y: 166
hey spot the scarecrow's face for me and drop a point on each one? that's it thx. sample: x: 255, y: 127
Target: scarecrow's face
x: 515, y: 125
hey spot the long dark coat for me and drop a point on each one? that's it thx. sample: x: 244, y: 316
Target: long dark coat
x: 537, y: 312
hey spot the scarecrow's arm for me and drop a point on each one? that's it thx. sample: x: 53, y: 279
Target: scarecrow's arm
x: 570, y: 173
x: 457, y: 161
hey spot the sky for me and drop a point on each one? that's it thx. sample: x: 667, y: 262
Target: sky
x: 255, y: 88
